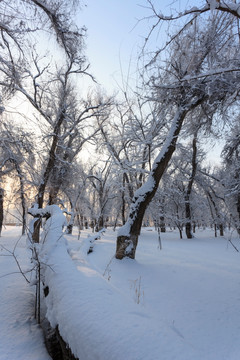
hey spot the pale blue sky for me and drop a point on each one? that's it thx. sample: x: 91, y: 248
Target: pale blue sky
x: 115, y: 34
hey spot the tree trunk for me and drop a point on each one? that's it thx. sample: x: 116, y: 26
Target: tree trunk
x: 127, y: 239
x: 221, y: 230
x: 188, y: 226
x: 46, y: 175
x: 123, y: 203
x: 162, y: 218
x: 71, y: 221
x: 100, y: 223
x: 238, y: 210
x: 188, y: 229
x: 194, y: 227
x: 69, y: 229
x: 180, y: 232
x: 162, y: 224
x: 1, y: 209
x: 218, y: 216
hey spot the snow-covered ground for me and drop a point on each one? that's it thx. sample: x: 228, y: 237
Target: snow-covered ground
x: 21, y: 338
x: 182, y: 302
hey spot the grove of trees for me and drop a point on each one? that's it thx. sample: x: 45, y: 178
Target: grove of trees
x: 127, y: 160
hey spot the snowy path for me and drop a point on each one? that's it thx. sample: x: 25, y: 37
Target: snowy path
x: 188, y: 295
x: 21, y: 338
x: 181, y: 303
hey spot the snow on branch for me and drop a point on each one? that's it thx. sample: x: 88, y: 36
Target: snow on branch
x: 67, y: 37
x: 225, y: 6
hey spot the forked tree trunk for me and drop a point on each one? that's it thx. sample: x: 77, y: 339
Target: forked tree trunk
x: 127, y: 239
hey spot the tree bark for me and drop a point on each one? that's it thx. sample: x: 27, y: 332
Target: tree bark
x: 238, y: 210
x: 46, y: 175
x: 188, y: 226
x: 127, y: 239
x: 218, y: 217
x: 180, y: 232
x: 123, y: 205
x: 162, y: 224
x: 1, y: 209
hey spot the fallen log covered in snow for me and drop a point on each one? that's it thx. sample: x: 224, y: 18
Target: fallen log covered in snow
x: 93, y: 317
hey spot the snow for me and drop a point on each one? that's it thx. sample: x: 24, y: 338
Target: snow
x: 125, y: 229
x: 53, y: 230
x: 141, y: 193
x: 214, y: 4
x: 178, y: 303
x: 21, y: 337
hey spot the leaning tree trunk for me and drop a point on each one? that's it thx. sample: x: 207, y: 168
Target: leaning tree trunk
x: 127, y: 239
x: 188, y: 226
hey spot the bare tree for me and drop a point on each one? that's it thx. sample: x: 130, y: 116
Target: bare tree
x: 231, y: 8
x: 53, y: 15
x: 231, y: 174
x: 15, y: 66
x: 183, y: 88
x: 188, y: 225
x: 16, y: 157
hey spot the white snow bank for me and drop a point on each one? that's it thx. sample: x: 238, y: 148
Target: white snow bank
x: 179, y: 303
x: 98, y: 322
x: 21, y: 338
x: 52, y: 232
x: 93, y: 317
x: 87, y: 244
